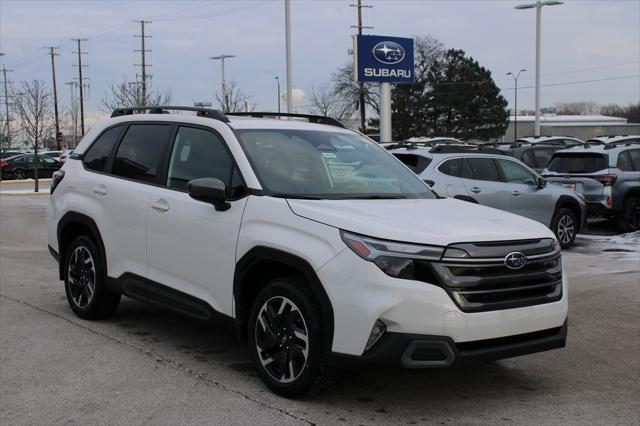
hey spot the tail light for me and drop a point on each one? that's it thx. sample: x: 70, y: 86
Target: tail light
x: 3, y: 164
x: 608, y: 200
x: 63, y: 158
x: 56, y: 179
x: 606, y: 180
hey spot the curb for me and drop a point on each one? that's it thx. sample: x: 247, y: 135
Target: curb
x: 23, y: 181
x: 25, y: 193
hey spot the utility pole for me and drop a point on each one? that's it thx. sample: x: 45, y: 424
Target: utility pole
x: 223, y: 98
x: 74, y: 112
x: 53, y: 54
x: 6, y: 105
x: 143, y: 64
x: 515, y: 116
x: 361, y: 103
x: 287, y: 34
x: 80, y: 81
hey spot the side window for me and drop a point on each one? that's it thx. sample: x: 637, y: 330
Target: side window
x: 542, y: 157
x: 527, y: 158
x: 624, y: 162
x: 46, y: 160
x: 416, y: 163
x: 484, y: 169
x: 198, y: 154
x: 452, y: 167
x: 467, y: 173
x: 98, y: 154
x: 635, y: 159
x: 140, y: 153
x: 571, y: 142
x: 515, y: 173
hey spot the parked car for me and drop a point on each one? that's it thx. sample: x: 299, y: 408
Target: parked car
x: 10, y: 153
x: 423, y: 142
x: 535, y: 156
x: 483, y: 176
x: 23, y: 166
x: 65, y: 155
x: 316, y: 243
x: 564, y: 141
x: 607, y: 176
x: 606, y: 140
x: 52, y: 154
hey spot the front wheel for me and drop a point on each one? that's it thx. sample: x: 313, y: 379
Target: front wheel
x: 286, y: 339
x: 19, y: 174
x: 630, y: 217
x: 564, y: 225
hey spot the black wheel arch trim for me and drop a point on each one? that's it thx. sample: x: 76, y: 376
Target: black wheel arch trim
x: 466, y: 198
x: 565, y: 201
x: 82, y: 219
x: 263, y: 253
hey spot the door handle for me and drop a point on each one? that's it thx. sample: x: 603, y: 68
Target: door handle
x: 516, y: 193
x: 100, y: 190
x: 160, y: 205
x: 476, y: 190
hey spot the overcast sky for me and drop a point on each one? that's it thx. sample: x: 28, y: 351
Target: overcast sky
x: 582, y: 40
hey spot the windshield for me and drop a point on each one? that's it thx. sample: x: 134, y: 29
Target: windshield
x: 318, y: 164
x: 577, y: 163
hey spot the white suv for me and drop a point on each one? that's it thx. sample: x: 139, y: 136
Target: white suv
x: 319, y: 245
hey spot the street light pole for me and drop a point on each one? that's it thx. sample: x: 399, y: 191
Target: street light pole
x: 287, y: 33
x: 515, y: 115
x: 278, y: 83
x: 538, y: 6
x: 223, y: 99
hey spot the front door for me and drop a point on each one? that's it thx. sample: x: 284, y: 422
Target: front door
x: 484, y: 184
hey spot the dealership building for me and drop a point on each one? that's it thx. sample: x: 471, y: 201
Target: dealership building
x: 578, y: 126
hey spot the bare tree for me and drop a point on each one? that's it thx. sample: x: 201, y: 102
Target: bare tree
x: 235, y: 100
x: 33, y: 106
x: 348, y: 90
x: 577, y: 108
x: 324, y: 100
x: 130, y: 94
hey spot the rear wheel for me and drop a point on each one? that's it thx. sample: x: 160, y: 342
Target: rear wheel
x: 565, y: 226
x: 286, y: 339
x: 19, y: 174
x: 630, y: 218
x: 84, y: 281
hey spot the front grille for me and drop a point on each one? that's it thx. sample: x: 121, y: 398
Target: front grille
x: 483, y: 282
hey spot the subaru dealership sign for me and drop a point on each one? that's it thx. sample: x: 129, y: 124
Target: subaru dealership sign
x: 384, y: 59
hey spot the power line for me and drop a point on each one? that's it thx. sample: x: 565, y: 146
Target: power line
x: 53, y: 54
x: 143, y: 64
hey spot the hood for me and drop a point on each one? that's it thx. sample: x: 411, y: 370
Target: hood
x: 424, y: 221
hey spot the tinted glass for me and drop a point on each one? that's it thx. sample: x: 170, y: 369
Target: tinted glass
x: 198, y: 154
x: 327, y: 164
x: 98, y: 153
x: 452, y: 167
x: 515, y: 173
x: 577, y: 163
x: 572, y: 142
x: 484, y: 169
x: 140, y: 153
x: 542, y: 157
x: 527, y: 158
x: 417, y: 163
x: 635, y: 159
x: 624, y: 162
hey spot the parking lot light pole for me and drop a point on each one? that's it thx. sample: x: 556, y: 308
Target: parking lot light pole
x: 515, y: 115
x: 224, y: 90
x: 278, y: 83
x: 287, y: 33
x: 538, y: 6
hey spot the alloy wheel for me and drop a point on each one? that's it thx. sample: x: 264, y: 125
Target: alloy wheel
x: 81, y: 277
x: 633, y: 215
x: 566, y: 229
x: 19, y: 174
x: 282, y: 339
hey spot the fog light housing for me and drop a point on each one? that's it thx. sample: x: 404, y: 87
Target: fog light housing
x: 376, y: 333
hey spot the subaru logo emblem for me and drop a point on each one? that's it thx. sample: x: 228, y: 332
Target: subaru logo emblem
x: 388, y: 52
x: 515, y: 260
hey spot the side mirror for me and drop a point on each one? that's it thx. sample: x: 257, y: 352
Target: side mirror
x: 209, y: 190
x: 541, y: 183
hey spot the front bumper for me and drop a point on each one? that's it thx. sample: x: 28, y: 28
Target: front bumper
x: 411, y: 351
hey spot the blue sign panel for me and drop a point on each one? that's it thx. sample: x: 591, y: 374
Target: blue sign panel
x: 384, y: 59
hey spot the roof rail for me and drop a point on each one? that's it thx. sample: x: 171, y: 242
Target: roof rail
x: 216, y: 114
x: 615, y: 144
x: 451, y: 149
x: 318, y: 119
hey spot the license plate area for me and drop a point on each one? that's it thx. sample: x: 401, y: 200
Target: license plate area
x: 570, y: 186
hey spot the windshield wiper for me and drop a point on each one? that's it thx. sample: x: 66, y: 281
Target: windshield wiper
x: 296, y: 196
x: 376, y: 197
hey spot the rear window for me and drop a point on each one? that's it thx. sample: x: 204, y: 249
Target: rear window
x: 542, y: 156
x: 417, y: 163
x: 577, y: 163
x: 452, y: 167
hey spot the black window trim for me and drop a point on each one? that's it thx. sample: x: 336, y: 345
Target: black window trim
x: 107, y: 167
x: 495, y: 164
x: 461, y: 158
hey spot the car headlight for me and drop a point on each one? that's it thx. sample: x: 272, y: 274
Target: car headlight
x: 393, y: 258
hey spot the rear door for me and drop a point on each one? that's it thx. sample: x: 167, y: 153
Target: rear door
x: 578, y: 171
x: 484, y: 183
x: 448, y: 178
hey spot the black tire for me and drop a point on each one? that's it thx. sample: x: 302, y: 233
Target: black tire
x: 84, y: 281
x: 286, y: 349
x: 19, y: 174
x: 629, y: 220
x: 565, y: 226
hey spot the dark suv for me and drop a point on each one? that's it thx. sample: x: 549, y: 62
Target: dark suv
x: 608, y: 176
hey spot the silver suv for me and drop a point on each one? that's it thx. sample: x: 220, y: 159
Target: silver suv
x: 607, y: 176
x: 498, y: 181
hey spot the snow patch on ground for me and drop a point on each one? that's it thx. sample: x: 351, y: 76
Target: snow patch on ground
x: 622, y: 246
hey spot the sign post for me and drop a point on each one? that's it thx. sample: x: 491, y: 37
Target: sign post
x: 384, y: 60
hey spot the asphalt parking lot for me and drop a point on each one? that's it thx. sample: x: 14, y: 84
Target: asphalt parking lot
x: 148, y: 366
